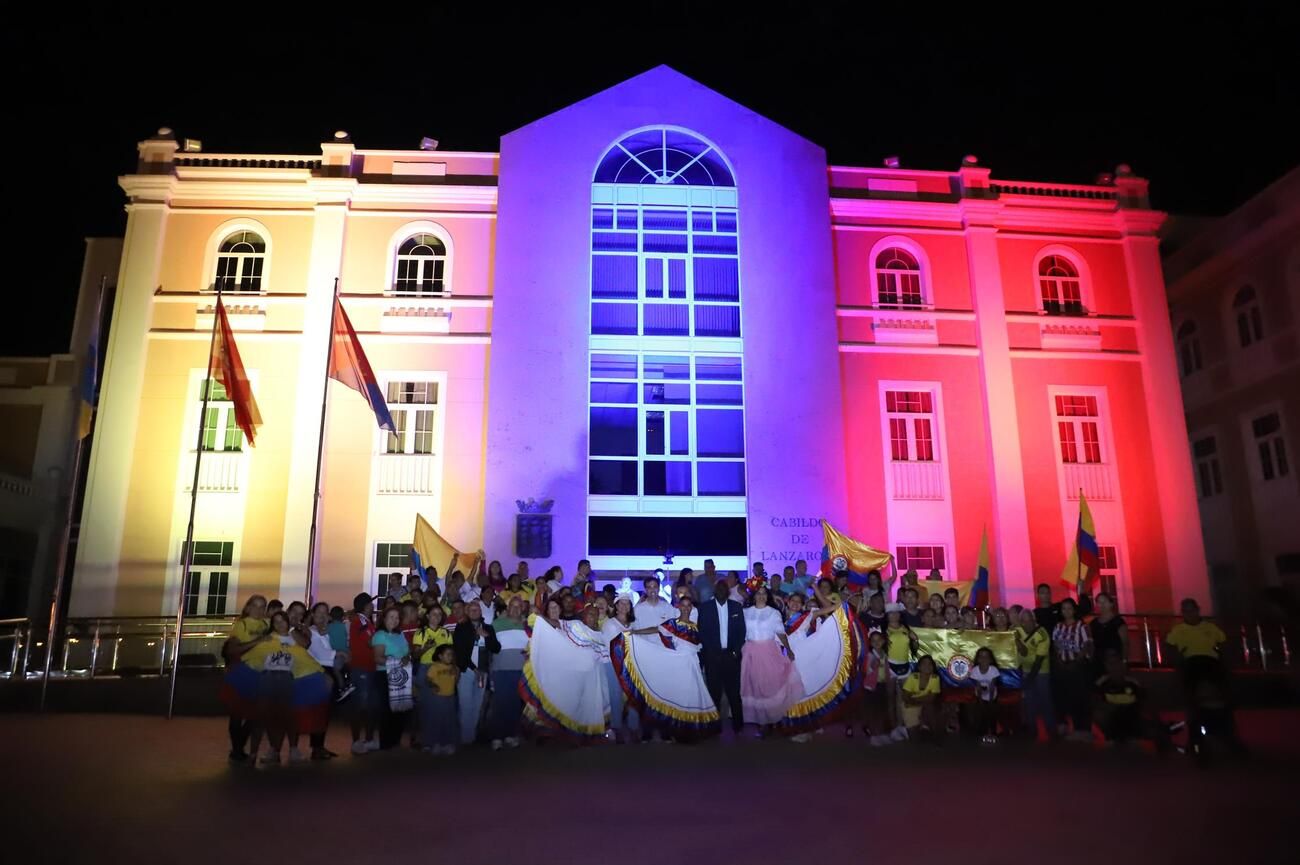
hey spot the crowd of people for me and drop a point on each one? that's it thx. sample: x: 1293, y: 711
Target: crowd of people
x: 499, y: 660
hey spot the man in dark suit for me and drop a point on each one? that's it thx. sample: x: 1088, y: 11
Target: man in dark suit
x: 722, y: 636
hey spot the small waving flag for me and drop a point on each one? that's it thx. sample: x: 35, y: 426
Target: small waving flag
x: 348, y: 364
x: 228, y: 369
x: 89, y: 382
x: 1084, y: 561
x: 981, y: 588
x: 842, y: 553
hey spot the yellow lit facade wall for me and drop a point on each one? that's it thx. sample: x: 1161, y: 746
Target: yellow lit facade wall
x: 342, y: 213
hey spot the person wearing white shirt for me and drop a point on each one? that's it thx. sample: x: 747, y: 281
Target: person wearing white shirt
x: 722, y: 636
x: 769, y: 682
x: 653, y: 610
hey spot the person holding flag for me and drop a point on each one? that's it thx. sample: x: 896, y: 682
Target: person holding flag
x: 842, y: 554
x: 430, y: 550
x: 1084, y: 561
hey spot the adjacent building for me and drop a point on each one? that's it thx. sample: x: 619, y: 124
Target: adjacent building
x: 663, y: 313
x: 1234, y: 296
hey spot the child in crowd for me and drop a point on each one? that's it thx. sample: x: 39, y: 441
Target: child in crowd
x: 969, y: 621
x: 983, y: 712
x: 441, y: 733
x: 921, y: 693
x: 877, y: 683
x: 338, y: 634
x: 951, y: 617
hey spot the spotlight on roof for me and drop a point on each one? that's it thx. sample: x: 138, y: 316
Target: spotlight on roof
x: 164, y: 132
x: 1123, y: 170
x: 427, y: 143
x: 341, y: 135
x: 192, y: 145
x: 891, y: 162
x: 1105, y: 178
x: 970, y: 159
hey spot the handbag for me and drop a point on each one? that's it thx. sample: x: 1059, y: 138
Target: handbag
x: 400, y: 698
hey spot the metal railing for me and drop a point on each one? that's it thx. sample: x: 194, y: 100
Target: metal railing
x: 144, y: 646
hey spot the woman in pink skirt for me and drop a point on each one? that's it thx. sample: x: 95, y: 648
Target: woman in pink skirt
x: 769, y: 682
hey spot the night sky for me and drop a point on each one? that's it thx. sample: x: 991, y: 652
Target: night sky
x: 1199, y: 102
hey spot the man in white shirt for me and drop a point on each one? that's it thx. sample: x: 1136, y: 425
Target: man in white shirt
x: 722, y: 636
x: 653, y: 610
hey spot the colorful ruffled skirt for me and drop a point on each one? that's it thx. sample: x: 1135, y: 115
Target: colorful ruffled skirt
x: 769, y: 682
x: 664, y: 685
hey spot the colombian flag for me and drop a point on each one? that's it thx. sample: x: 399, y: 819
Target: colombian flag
x: 842, y: 553
x: 228, y: 369
x: 981, y: 589
x: 1085, y: 557
x: 954, y: 652
x: 348, y: 364
x: 430, y: 550
x: 89, y: 381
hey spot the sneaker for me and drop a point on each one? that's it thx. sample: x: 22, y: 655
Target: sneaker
x: 878, y: 741
x: 318, y: 754
x: 497, y: 744
x: 345, y: 693
x: 360, y: 747
x: 801, y: 738
x: 296, y: 756
x: 898, y: 734
x: 372, y: 745
x: 989, y: 740
x: 512, y: 741
x: 448, y: 750
x: 270, y: 758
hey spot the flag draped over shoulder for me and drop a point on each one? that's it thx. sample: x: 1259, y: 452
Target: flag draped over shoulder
x: 228, y: 369
x: 348, y: 364
x: 842, y: 553
x: 431, y: 550
x: 1084, y: 561
x: 954, y: 653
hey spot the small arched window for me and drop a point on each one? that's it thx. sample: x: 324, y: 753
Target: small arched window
x: 898, y: 279
x: 1059, y: 286
x: 1250, y: 321
x: 241, y: 258
x: 421, y: 266
x: 1189, y: 348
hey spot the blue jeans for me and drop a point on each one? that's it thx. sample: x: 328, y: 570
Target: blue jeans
x: 507, y: 706
x: 440, y: 728
x: 1035, y: 703
x: 469, y: 702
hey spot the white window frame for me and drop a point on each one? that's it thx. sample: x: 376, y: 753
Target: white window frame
x: 1253, y: 443
x: 206, y: 573
x: 910, y: 428
x: 1207, y: 467
x: 212, y: 253
x: 949, y: 570
x: 1076, y: 422
x: 378, y: 588
x: 407, y: 231
x: 379, y: 446
x: 917, y: 251
x: 406, y: 414
x: 1080, y: 263
x: 1251, y: 314
x: 225, y: 424
x: 1190, y: 360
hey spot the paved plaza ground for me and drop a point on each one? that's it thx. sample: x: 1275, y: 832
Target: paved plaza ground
x: 122, y: 788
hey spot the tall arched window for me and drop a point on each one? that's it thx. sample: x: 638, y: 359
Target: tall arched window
x: 241, y: 258
x: 421, y: 266
x: 1250, y: 321
x: 666, y: 443
x: 1189, y: 348
x: 1059, y: 286
x: 898, y: 280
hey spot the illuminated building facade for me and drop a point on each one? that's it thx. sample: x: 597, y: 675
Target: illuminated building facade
x: 667, y: 315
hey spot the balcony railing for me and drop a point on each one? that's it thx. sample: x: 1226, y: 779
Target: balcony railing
x: 1092, y: 478
x: 219, y: 472
x: 918, y: 480
x: 407, y: 474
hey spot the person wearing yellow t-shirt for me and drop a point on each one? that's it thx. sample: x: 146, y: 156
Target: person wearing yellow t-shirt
x: 516, y: 588
x: 248, y: 630
x: 1194, y: 644
x: 921, y: 698
x: 1034, y: 647
x: 438, y: 735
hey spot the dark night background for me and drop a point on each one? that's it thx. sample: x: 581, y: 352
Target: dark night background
x: 1201, y: 100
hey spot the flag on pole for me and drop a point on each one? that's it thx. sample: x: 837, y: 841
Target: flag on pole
x: 228, y: 369
x: 1084, y: 560
x: 348, y: 364
x: 431, y: 550
x: 842, y: 553
x: 981, y: 589
x: 89, y: 381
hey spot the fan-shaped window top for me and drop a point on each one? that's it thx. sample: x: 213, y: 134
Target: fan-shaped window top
x: 664, y: 156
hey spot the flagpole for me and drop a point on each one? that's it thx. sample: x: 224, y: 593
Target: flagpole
x: 187, y: 556
x: 61, y: 563
x: 1078, y: 557
x: 320, y: 450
